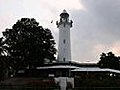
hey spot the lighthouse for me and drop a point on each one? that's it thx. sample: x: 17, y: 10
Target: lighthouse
x: 64, y: 46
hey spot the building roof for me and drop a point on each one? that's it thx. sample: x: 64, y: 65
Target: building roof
x: 78, y: 67
x: 73, y: 63
x: 58, y: 67
x: 95, y: 69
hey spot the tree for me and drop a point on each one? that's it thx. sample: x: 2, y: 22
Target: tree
x: 2, y: 47
x: 109, y: 60
x: 29, y: 44
x: 4, y: 61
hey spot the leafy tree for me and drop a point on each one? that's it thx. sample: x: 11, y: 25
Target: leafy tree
x: 29, y: 44
x: 2, y: 47
x: 109, y: 60
x: 4, y: 67
x: 4, y: 61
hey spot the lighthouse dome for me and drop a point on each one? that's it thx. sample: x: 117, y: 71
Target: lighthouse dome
x: 64, y: 14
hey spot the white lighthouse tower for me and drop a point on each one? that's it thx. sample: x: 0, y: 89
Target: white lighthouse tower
x: 64, y: 48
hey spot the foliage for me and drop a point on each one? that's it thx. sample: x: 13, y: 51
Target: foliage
x: 109, y: 60
x: 93, y: 83
x: 29, y: 44
x: 4, y: 67
x: 4, y: 61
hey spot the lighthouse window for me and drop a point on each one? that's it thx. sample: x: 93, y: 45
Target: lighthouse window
x: 63, y: 59
x: 64, y: 41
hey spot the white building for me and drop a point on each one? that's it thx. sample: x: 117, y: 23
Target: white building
x: 64, y: 48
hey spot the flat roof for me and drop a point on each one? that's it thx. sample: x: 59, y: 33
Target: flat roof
x: 94, y: 69
x: 80, y: 68
x: 58, y: 67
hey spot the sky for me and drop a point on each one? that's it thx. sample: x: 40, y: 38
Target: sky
x: 96, y: 23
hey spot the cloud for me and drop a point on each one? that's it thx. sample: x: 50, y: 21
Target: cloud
x: 115, y: 48
x: 95, y: 30
x: 106, y: 12
x: 65, y: 4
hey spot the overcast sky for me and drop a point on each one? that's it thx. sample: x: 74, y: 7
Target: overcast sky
x: 96, y: 23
